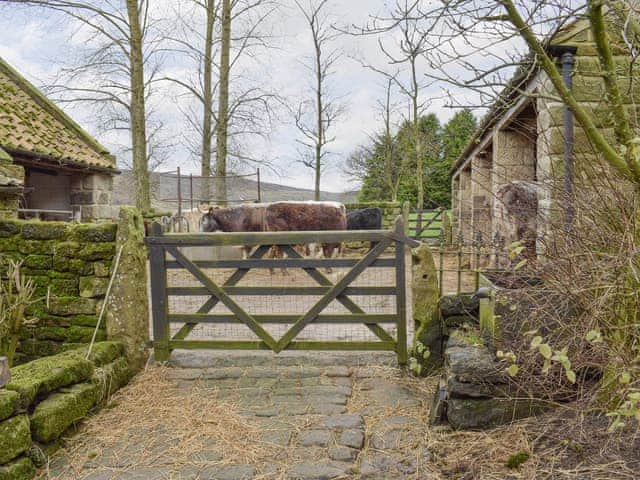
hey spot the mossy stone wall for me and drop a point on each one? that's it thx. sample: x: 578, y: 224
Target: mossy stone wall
x: 70, y: 266
x: 48, y: 396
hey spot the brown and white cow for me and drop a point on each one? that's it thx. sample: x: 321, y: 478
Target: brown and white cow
x: 241, y: 218
x: 307, y: 216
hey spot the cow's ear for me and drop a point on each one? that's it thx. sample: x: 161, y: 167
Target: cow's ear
x: 210, y: 209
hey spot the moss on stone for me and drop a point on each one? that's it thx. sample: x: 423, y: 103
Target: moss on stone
x: 39, y: 377
x: 9, y: 403
x: 80, y: 267
x: 97, y: 251
x: 93, y: 287
x: 36, y: 230
x: 65, y: 306
x: 9, y: 244
x: 103, y: 353
x: 40, y: 262
x: 41, y: 247
x: 8, y: 228
x: 79, y: 334
x: 61, y: 275
x: 83, y: 320
x: 15, y: 437
x: 66, y: 287
x: 112, y: 376
x: 39, y: 348
x: 94, y: 233
x: 102, y: 269
x: 59, y: 411
x: 67, y: 249
x: 51, y: 333
x: 20, y: 469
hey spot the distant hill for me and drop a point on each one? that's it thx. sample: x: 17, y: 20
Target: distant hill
x: 164, y: 191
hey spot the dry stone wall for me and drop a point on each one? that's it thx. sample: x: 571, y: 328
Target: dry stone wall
x: 70, y: 265
x: 49, y: 395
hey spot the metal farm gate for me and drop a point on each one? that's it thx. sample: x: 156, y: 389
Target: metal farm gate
x: 289, y: 303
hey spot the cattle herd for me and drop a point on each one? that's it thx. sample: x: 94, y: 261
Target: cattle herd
x: 291, y: 216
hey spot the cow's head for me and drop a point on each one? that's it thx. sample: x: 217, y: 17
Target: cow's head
x: 209, y: 223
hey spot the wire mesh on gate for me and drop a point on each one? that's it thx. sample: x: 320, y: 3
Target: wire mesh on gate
x: 290, y: 304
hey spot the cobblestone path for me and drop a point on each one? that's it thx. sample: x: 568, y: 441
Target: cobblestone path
x: 305, y: 416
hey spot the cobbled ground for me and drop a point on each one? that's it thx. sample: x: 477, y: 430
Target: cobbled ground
x: 320, y: 416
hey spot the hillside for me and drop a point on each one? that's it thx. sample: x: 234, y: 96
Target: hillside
x: 164, y: 191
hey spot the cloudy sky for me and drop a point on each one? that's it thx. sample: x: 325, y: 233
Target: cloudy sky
x: 37, y: 43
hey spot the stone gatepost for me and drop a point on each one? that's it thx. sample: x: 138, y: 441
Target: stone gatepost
x: 427, y: 349
x: 127, y: 313
x: 91, y: 196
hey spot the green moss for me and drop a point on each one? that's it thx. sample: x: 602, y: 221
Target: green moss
x: 84, y: 320
x: 103, y: 352
x: 112, y: 376
x: 43, y: 230
x: 64, y: 287
x: 9, y: 228
x: 59, y: 411
x: 67, y: 249
x: 40, y: 262
x: 71, y: 306
x: 37, y: 378
x: 92, y: 287
x: 97, y: 251
x: 94, y: 233
x: 39, y: 348
x: 10, y: 244
x: 64, y: 275
x: 15, y: 437
x: 517, y: 459
x: 20, y: 469
x: 41, y: 247
x: 9, y: 402
x: 51, y: 333
x: 78, y: 334
x: 102, y: 269
x: 80, y: 267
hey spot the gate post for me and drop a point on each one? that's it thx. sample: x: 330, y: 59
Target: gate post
x: 401, y: 295
x: 159, y: 297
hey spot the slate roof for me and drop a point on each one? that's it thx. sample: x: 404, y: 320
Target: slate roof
x: 31, y: 124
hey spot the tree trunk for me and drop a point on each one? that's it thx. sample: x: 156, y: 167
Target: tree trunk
x: 207, y: 114
x: 137, y: 110
x: 416, y: 133
x: 223, y: 104
x: 320, y: 139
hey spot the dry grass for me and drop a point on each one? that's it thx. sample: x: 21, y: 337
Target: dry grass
x: 152, y: 420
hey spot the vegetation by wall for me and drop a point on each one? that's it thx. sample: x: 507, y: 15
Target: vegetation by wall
x: 70, y: 266
x: 49, y: 395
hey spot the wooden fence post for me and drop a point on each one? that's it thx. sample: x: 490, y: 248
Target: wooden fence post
x: 401, y: 294
x: 159, y: 307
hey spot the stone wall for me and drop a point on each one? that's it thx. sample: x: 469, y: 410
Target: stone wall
x: 91, y: 196
x: 70, y: 266
x: 48, y: 396
x: 465, y: 207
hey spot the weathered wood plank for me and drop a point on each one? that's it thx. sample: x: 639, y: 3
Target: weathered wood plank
x: 267, y: 238
x: 285, y: 263
x: 283, y: 318
x: 216, y: 291
x: 159, y: 303
x: 338, y: 288
x: 287, y: 291
x: 298, y: 345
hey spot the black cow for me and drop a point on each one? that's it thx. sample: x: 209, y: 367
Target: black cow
x: 365, y: 219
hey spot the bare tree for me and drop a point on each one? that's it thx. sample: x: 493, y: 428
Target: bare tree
x: 406, y: 51
x: 326, y: 110
x: 114, y: 72
x: 215, y: 50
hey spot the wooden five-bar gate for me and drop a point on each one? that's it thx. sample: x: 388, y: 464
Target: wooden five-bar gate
x: 166, y: 254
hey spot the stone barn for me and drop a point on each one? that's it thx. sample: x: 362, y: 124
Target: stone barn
x: 50, y: 168
x: 509, y: 181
